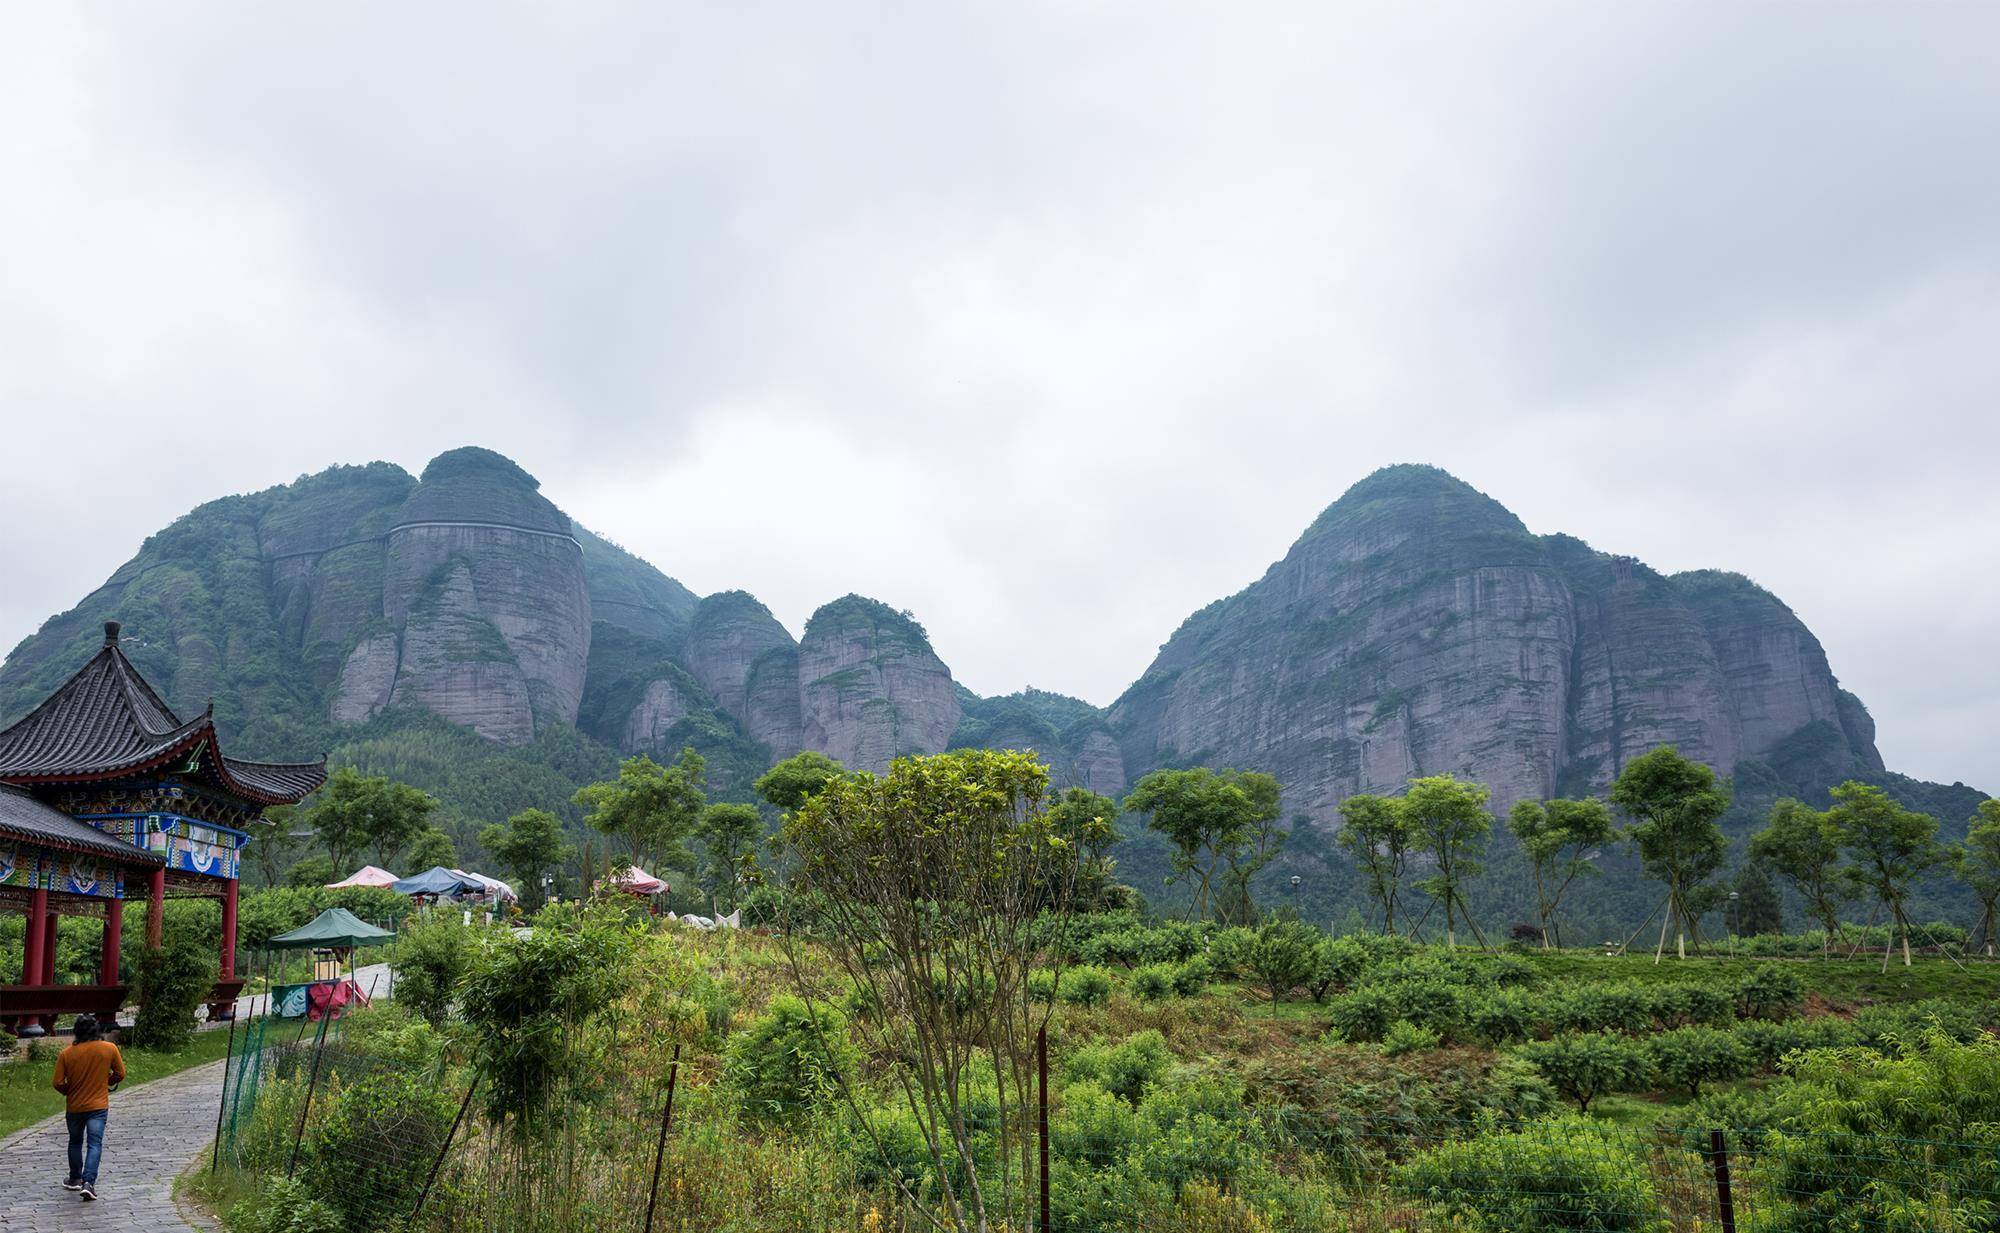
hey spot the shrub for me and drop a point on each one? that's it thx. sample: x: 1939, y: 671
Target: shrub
x: 1127, y: 1069
x: 1231, y: 950
x: 1433, y: 1004
x: 1770, y: 991
x: 1688, y: 1057
x: 1085, y: 986
x: 1568, y: 1174
x: 1602, y: 1006
x: 1042, y: 985
x: 1767, y: 1043
x: 430, y: 961
x: 170, y: 982
x: 1501, y: 1016
x: 1362, y: 1015
x: 1124, y: 948
x: 1283, y: 956
x: 1406, y: 1037
x: 1584, y: 1067
x: 1689, y: 1004
x: 1746, y: 1117
x: 1191, y: 978
x: 283, y: 1205
x: 793, y: 1057
x: 1153, y: 983
x: 370, y: 1149
x: 1337, y: 964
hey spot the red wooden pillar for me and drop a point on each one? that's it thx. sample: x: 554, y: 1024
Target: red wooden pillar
x: 49, y: 963
x: 36, y: 936
x: 114, y: 934
x: 229, y: 929
x: 156, y: 906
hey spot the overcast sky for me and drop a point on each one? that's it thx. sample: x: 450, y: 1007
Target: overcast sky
x: 1051, y: 324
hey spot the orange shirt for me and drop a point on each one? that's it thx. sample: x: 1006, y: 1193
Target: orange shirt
x: 85, y: 1074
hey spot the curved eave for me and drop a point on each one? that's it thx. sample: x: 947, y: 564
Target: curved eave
x: 307, y: 776
x: 120, y: 853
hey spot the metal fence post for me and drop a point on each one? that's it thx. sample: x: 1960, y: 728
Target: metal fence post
x: 1724, y: 1202
x: 319, y: 1050
x: 449, y: 1135
x: 660, y: 1152
x: 222, y: 1099
x: 1042, y: 1114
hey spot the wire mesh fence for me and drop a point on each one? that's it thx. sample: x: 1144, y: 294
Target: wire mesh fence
x: 385, y: 1142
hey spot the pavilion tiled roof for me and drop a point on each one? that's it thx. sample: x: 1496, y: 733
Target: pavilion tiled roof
x: 24, y: 817
x: 106, y: 722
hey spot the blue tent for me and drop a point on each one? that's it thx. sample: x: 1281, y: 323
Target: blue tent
x: 437, y: 880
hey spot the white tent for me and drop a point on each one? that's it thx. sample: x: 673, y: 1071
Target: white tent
x: 367, y: 875
x: 495, y: 888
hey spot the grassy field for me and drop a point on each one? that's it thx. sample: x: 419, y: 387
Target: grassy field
x: 1839, y: 981
x: 27, y: 1098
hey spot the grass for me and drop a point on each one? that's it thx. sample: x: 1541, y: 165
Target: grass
x: 27, y: 1098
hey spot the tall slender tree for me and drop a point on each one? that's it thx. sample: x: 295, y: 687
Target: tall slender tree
x: 1979, y: 866
x: 528, y: 846
x: 652, y: 808
x: 727, y: 833
x: 1800, y: 845
x: 1890, y: 847
x: 1218, y: 823
x: 1562, y: 839
x: 1373, y: 831
x: 1449, y: 822
x: 1674, y: 803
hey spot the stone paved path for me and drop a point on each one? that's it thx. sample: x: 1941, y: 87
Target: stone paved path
x: 154, y: 1132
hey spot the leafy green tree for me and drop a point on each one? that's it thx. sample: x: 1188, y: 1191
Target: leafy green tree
x: 1979, y: 865
x: 1374, y: 833
x: 1691, y: 1056
x: 1090, y: 821
x: 430, y: 960
x: 1554, y: 1177
x: 1562, y: 838
x: 1284, y: 956
x: 430, y: 848
x: 1801, y: 845
x: 652, y: 808
x: 314, y: 870
x: 1584, y: 1067
x: 1218, y: 822
x: 926, y: 887
x: 277, y: 841
x: 1674, y: 803
x: 1754, y: 906
x: 1448, y: 821
x: 172, y: 981
x: 727, y: 834
x: 354, y: 813
x: 1890, y: 847
x: 528, y: 846
x: 788, y: 784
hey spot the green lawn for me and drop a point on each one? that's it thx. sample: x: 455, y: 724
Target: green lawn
x: 27, y: 1098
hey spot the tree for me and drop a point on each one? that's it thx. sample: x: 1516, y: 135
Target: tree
x: 356, y: 812
x: 1674, y: 803
x: 727, y: 833
x: 1801, y: 845
x: 1448, y: 821
x: 1979, y: 865
x: 1562, y: 838
x: 925, y: 886
x: 277, y: 840
x: 430, y: 848
x: 1754, y: 906
x: 1214, y: 820
x: 1584, y: 1067
x: 788, y: 784
x: 528, y: 846
x: 1373, y: 830
x: 1890, y: 847
x: 1090, y: 821
x: 653, y: 808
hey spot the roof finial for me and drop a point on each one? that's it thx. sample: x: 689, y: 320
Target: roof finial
x: 111, y: 629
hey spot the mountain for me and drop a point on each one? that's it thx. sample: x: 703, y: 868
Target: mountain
x: 457, y: 629
x: 1418, y: 627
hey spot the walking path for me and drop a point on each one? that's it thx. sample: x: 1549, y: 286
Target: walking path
x: 154, y: 1132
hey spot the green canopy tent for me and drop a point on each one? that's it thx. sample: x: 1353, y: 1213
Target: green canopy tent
x: 335, y: 929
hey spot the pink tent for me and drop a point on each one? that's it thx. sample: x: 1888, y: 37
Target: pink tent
x: 635, y: 881
x: 367, y: 875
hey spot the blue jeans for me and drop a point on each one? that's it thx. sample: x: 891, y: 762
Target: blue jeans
x: 85, y: 1127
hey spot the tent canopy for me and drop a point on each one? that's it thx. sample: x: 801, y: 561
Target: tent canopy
x: 437, y: 880
x: 636, y: 881
x: 367, y: 875
x: 333, y: 927
x: 494, y: 886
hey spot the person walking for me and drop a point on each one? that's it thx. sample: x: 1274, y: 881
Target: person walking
x: 86, y: 1074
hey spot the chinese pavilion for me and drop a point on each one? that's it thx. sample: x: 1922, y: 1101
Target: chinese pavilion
x: 106, y: 794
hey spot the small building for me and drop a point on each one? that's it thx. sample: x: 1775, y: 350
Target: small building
x: 106, y: 795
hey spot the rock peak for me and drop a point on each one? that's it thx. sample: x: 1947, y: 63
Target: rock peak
x: 477, y: 461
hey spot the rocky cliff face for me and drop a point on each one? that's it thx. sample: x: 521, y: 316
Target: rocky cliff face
x: 870, y: 688
x: 1418, y: 627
